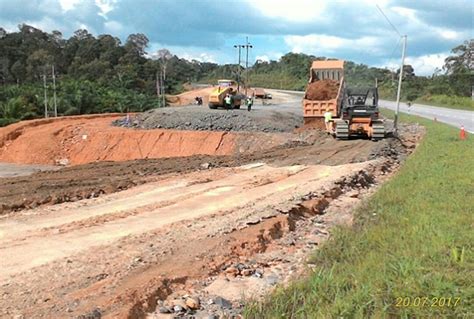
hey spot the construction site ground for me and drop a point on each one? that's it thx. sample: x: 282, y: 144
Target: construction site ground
x: 157, y: 223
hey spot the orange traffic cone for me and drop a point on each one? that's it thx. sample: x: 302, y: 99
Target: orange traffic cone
x: 462, y: 133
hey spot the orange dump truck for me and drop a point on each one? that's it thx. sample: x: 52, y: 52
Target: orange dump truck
x: 324, y: 91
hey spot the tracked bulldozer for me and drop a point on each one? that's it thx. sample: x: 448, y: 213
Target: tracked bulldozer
x: 353, y: 112
x: 359, y: 115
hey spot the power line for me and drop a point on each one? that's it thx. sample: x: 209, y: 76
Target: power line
x: 396, y: 30
x: 402, y: 64
x: 394, y: 49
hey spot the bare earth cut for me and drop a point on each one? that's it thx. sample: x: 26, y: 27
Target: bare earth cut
x: 160, y: 223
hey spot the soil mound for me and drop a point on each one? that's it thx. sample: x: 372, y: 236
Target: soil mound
x: 322, y: 90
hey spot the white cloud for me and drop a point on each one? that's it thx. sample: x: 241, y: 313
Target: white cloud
x: 201, y: 57
x: 105, y: 6
x: 295, y: 10
x: 423, y: 65
x: 263, y: 58
x: 113, y: 27
x: 46, y: 24
x: 406, y: 12
x: 321, y: 44
x: 68, y: 4
x: 426, y: 64
x: 268, y: 56
x: 189, y: 53
x: 306, y: 10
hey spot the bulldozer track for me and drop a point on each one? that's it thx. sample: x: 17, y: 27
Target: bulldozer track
x: 342, y: 130
x: 378, y: 131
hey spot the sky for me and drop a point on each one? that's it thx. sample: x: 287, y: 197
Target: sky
x: 207, y: 30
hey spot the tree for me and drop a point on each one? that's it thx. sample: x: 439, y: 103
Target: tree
x: 459, y: 68
x: 462, y: 58
x: 137, y: 43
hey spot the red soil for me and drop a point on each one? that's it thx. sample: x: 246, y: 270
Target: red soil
x: 322, y: 90
x: 85, y: 139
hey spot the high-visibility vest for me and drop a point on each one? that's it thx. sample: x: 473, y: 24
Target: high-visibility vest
x: 327, y: 117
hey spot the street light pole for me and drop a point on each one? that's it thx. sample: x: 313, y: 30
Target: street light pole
x: 54, y: 92
x: 239, y: 46
x: 45, y: 96
x: 395, y: 122
x: 247, y: 46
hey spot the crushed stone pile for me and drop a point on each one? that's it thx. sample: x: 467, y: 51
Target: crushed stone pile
x: 199, y: 118
x: 322, y: 90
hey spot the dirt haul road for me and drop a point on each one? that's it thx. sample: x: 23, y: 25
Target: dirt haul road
x: 188, y: 235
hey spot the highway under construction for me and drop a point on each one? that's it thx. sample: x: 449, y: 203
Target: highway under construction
x: 178, y: 211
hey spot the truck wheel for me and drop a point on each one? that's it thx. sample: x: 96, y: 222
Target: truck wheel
x: 237, y: 107
x: 212, y: 106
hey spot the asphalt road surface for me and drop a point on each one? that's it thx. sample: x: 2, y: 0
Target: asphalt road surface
x: 449, y: 116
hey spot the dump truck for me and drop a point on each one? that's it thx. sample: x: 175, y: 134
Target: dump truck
x: 323, y: 92
x: 224, y: 87
x: 261, y: 94
x: 353, y: 113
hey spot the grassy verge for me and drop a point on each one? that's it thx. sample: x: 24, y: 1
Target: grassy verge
x: 412, y: 239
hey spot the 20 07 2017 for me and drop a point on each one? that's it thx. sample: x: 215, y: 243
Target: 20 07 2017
x: 427, y: 301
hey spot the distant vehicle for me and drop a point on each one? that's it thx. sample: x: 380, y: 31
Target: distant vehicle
x: 261, y: 94
x: 217, y: 95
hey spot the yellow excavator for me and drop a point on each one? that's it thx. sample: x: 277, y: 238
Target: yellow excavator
x: 224, y: 87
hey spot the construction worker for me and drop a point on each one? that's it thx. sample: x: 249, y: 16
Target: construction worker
x: 249, y: 102
x: 228, y: 101
x: 328, y: 121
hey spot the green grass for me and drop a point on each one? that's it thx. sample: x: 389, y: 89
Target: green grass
x: 452, y: 102
x: 413, y: 238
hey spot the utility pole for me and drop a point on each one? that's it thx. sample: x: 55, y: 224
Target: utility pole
x: 158, y: 89
x: 239, y: 46
x: 163, y: 101
x: 45, y: 97
x: 54, y: 92
x: 395, y: 122
x: 247, y: 46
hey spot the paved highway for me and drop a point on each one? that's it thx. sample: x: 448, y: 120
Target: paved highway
x: 449, y: 116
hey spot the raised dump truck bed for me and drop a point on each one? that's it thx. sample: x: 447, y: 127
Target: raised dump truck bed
x: 324, y: 91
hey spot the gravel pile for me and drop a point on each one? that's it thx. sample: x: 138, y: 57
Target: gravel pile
x: 200, y: 118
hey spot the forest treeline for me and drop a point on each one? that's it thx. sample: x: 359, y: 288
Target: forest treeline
x: 96, y: 74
